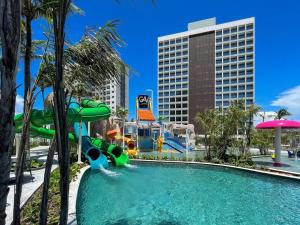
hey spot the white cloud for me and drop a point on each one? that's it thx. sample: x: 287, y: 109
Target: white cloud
x: 19, y: 104
x: 290, y: 99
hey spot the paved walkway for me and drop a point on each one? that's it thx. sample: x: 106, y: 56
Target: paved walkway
x: 31, y: 184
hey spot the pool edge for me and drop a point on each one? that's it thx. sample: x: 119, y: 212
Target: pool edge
x: 272, y: 172
x: 73, y: 191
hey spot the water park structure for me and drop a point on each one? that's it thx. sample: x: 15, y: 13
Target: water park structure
x: 97, y: 151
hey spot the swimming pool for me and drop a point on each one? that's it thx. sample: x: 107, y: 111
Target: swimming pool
x: 172, y: 194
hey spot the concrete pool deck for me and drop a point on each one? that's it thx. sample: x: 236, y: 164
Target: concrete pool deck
x: 31, y: 184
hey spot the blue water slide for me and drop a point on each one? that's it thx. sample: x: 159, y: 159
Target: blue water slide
x: 95, y: 156
x: 171, y: 142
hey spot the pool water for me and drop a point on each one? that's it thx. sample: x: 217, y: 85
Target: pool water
x: 169, y: 194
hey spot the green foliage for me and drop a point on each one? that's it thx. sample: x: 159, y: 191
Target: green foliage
x: 37, y: 164
x: 263, y: 140
x: 30, y: 212
x: 281, y: 113
x: 221, y: 129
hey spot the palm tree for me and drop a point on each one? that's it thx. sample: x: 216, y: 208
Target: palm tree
x: 282, y: 113
x: 251, y: 112
x: 122, y: 113
x: 10, y: 35
x: 210, y: 126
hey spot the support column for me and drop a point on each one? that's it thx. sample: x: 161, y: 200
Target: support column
x: 277, y: 146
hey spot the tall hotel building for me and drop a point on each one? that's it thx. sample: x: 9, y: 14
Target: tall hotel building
x: 207, y: 66
x: 113, y: 93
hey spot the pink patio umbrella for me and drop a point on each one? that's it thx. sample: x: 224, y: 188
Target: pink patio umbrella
x: 278, y: 125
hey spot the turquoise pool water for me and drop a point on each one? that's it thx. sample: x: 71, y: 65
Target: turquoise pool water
x: 160, y: 194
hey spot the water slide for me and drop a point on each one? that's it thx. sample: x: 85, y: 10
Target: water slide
x: 94, y: 149
x: 131, y: 147
x: 171, y: 142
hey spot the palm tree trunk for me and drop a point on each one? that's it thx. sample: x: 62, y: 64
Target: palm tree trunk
x: 59, y: 17
x: 20, y: 166
x: 24, y: 144
x: 44, y: 203
x: 10, y: 15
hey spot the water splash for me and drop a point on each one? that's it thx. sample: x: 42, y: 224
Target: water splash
x: 109, y: 172
x: 131, y: 166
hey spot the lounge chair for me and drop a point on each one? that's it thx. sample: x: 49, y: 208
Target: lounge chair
x: 291, y: 154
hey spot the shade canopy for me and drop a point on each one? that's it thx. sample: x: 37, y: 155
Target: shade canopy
x: 288, y: 124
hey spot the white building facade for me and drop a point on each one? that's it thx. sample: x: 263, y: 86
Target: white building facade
x: 208, y: 66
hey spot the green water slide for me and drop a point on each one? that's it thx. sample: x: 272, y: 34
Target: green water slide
x: 87, y: 111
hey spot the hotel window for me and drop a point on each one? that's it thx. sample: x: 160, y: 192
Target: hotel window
x: 241, y: 36
x: 249, y: 72
x: 226, y: 31
x: 241, y: 65
x: 226, y: 60
x: 250, y: 64
x: 226, y: 96
x: 219, y: 40
x: 226, y: 46
x: 225, y: 89
x: 249, y: 26
x: 233, y: 37
x: 242, y: 88
x: 161, y: 50
x: 225, y: 75
x: 249, y: 94
x: 249, y: 57
x: 225, y: 67
x: 178, y: 47
x: 241, y: 50
x: 241, y: 80
x: 226, y: 103
x: 241, y: 72
x: 185, y: 39
x: 242, y: 95
x: 172, y: 61
x: 219, y: 32
x: 184, y: 59
x: 234, y: 45
x: 249, y: 87
x: 184, y: 105
x: 233, y: 81
x: 225, y: 81
x: 250, y: 49
x: 225, y: 38
x: 219, y: 104
x: 218, y: 82
x: 219, y: 75
x: 178, y: 73
x: 160, y: 43
x: 219, y: 54
x: 166, y: 42
x: 185, y: 46
x: 178, y: 60
x: 226, y: 53
x: 250, y: 42
x: 178, y: 53
x: 233, y: 59
x: 172, y: 42
x: 234, y: 66
x: 233, y: 73
x: 172, y: 48
x: 219, y: 61
x: 178, y: 41
x: 218, y: 89
x: 219, y: 47
x: 218, y: 96
x: 234, y: 52
x: 242, y: 58
x: 242, y: 43
x: 249, y: 101
x: 250, y: 34
x: 233, y: 95
x: 234, y: 88
x: 241, y: 28
x: 233, y: 29
x: 249, y: 79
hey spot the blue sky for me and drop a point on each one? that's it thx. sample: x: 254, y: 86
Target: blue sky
x: 141, y: 22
